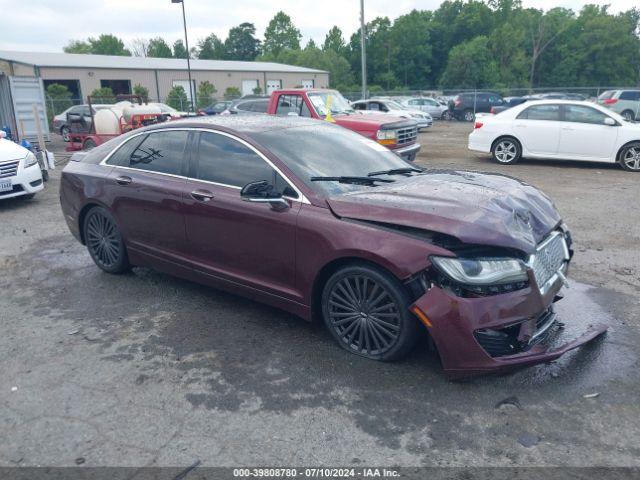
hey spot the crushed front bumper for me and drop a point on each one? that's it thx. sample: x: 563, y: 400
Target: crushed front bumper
x: 455, y: 322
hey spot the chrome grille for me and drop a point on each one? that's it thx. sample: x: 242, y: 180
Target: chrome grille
x: 549, y: 259
x: 407, y: 135
x: 9, y: 169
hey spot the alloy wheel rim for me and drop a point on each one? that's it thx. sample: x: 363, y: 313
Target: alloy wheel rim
x: 632, y: 158
x: 506, y: 152
x: 469, y: 116
x: 364, y: 315
x: 102, y: 239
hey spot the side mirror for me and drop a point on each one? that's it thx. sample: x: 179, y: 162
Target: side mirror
x: 263, y: 192
x: 610, y: 121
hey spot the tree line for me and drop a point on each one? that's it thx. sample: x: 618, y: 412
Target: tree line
x: 461, y: 44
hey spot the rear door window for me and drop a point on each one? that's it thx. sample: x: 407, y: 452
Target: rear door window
x: 292, y: 104
x: 541, y: 112
x: 159, y: 152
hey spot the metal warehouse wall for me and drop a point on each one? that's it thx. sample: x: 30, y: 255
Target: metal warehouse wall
x: 90, y: 78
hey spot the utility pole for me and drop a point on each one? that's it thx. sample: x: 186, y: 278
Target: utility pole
x: 186, y: 44
x: 363, y: 49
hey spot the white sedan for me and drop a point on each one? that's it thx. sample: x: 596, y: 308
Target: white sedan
x: 19, y: 171
x: 558, y: 129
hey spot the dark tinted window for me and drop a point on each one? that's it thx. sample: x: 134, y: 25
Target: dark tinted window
x: 541, y: 112
x: 630, y: 95
x: 244, y: 106
x: 360, y: 106
x: 582, y: 114
x: 161, y: 152
x: 224, y: 160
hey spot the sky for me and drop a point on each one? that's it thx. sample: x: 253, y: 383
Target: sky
x: 46, y: 26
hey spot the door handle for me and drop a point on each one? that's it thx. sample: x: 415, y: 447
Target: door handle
x: 123, y: 180
x: 202, y: 195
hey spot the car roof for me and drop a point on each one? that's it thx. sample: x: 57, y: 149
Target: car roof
x: 241, y: 123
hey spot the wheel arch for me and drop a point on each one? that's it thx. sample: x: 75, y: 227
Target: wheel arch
x: 329, y: 269
x: 633, y: 114
x: 507, y: 135
x: 619, y: 152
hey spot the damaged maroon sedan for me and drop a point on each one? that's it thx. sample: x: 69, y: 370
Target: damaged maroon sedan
x: 324, y: 223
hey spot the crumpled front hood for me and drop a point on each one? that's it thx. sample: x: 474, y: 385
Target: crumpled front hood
x: 476, y: 208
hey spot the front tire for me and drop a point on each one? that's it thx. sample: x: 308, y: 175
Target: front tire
x: 64, y: 131
x: 506, y: 150
x: 367, y: 312
x: 630, y: 157
x: 104, y: 241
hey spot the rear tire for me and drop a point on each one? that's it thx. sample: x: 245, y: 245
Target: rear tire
x: 630, y: 157
x: 367, y: 312
x: 104, y: 241
x: 64, y: 131
x: 469, y: 116
x: 506, y: 150
x: 628, y: 115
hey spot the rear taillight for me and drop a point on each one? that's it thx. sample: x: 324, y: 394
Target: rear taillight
x: 610, y: 101
x: 478, y: 125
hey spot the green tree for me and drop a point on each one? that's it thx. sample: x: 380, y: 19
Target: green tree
x: 77, y: 46
x: 232, y: 92
x: 334, y: 41
x: 59, y: 98
x: 471, y: 65
x: 177, y: 98
x: 281, y: 34
x: 206, y: 91
x: 105, y: 44
x: 410, y: 41
x: 103, y: 95
x: 157, y: 47
x: 179, y: 51
x: 141, y: 90
x: 211, y: 48
x: 241, y: 43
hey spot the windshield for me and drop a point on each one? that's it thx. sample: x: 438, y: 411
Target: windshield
x: 395, y: 105
x: 330, y: 99
x: 329, y: 150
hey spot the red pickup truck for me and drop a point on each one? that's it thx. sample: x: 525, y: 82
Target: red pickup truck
x: 398, y: 134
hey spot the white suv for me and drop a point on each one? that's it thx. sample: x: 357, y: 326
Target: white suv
x: 19, y: 171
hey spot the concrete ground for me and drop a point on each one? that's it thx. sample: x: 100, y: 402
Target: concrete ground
x: 144, y: 369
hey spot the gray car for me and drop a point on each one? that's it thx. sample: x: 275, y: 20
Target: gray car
x: 426, y: 104
x: 248, y: 106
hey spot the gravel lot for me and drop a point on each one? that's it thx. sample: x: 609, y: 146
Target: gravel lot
x: 144, y: 369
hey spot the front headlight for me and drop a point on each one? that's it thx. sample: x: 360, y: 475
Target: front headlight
x: 482, y: 272
x: 386, y: 135
x: 30, y: 160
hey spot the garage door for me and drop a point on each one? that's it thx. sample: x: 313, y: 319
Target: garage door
x: 248, y: 86
x: 307, y: 83
x: 273, y: 85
